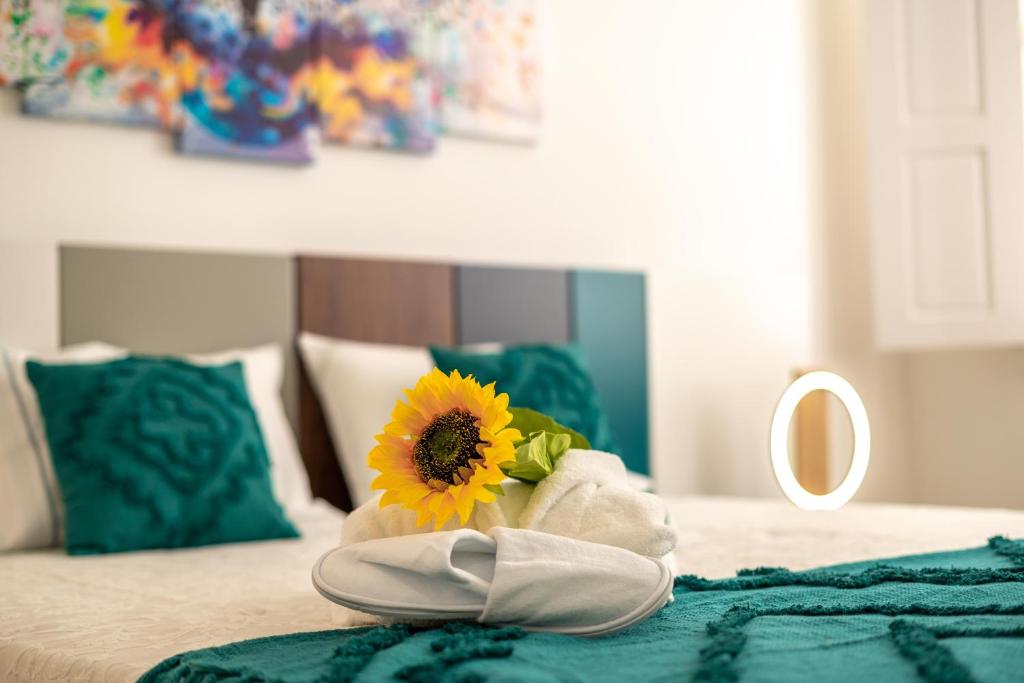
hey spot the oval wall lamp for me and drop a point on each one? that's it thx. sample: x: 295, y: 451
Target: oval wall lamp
x: 847, y: 395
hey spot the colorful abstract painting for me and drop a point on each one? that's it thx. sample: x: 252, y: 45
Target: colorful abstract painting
x: 245, y: 74
x: 13, y: 14
x: 111, y: 64
x: 488, y: 60
x: 31, y: 44
x: 375, y: 88
x: 267, y: 79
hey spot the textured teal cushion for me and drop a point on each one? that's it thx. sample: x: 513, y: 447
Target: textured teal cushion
x: 156, y: 453
x: 551, y: 378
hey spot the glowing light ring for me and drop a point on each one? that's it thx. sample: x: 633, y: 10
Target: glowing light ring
x: 847, y: 395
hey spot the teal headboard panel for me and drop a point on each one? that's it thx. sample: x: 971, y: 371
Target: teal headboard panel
x: 603, y: 311
x: 609, y: 315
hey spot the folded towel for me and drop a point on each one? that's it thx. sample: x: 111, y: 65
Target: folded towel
x: 531, y: 579
x: 588, y: 497
x: 370, y: 520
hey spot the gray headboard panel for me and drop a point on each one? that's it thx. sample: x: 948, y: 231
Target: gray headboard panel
x: 513, y: 305
x: 164, y: 302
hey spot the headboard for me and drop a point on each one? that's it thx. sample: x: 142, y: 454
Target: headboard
x: 183, y: 302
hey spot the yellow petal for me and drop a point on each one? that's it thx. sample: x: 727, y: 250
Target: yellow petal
x: 464, y: 505
x: 412, y: 496
x: 390, y: 497
x: 444, y: 511
x: 510, y: 434
x: 409, y: 419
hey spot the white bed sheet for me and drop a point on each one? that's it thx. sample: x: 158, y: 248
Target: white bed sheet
x: 111, y: 618
x: 717, y: 536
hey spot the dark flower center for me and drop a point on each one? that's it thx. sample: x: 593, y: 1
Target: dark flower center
x: 446, y: 452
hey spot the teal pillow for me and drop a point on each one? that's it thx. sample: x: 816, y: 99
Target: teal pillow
x: 551, y: 378
x: 156, y: 453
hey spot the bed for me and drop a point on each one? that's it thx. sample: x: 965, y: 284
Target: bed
x: 113, y: 617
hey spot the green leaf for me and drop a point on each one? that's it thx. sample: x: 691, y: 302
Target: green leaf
x: 558, y: 444
x: 539, y: 449
x: 536, y: 456
x: 530, y: 472
x: 528, y: 421
x: 495, y: 489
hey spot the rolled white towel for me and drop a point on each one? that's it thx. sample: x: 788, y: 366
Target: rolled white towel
x: 370, y: 520
x: 589, y: 497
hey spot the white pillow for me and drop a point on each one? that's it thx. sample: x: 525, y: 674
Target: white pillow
x: 31, y: 512
x: 358, y: 384
x: 264, y: 372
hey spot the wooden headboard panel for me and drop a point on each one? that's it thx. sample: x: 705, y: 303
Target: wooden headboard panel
x: 182, y: 302
x: 372, y: 301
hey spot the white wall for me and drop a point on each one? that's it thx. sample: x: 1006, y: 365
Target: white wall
x: 842, y: 305
x: 948, y: 426
x: 674, y: 142
x: 967, y: 426
x: 28, y: 295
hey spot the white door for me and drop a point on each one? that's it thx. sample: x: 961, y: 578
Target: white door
x: 946, y: 172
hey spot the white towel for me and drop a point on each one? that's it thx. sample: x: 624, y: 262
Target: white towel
x: 370, y: 520
x: 527, y: 578
x: 588, y: 497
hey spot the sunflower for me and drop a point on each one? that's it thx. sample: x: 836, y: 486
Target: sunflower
x: 441, y: 452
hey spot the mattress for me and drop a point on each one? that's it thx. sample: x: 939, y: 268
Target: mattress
x: 111, y: 618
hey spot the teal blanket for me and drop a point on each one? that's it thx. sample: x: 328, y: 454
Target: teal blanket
x: 940, y: 618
